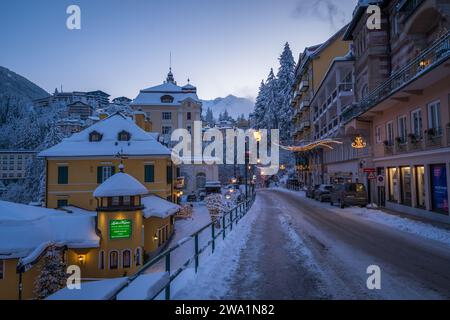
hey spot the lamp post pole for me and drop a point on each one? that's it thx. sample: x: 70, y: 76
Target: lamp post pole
x: 246, y: 170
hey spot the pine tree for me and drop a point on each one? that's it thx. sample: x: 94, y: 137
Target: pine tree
x: 209, y: 118
x: 285, y: 81
x: 52, y: 276
x: 271, y: 109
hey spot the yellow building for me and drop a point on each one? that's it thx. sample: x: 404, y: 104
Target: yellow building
x: 128, y: 226
x: 79, y: 164
x: 311, y: 69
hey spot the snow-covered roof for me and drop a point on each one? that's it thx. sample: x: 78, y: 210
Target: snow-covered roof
x: 25, y: 229
x: 152, y: 96
x: 155, y: 206
x: 78, y: 145
x: 120, y: 184
x: 94, y: 290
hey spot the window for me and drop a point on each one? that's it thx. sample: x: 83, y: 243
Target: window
x: 167, y: 99
x: 189, y: 116
x: 113, y: 260
x: 189, y: 128
x: 167, y: 115
x: 63, y: 175
x: 390, y: 133
x: 137, y: 257
x: 127, y: 201
x: 406, y: 186
x: 104, y: 173
x: 378, y: 134
x: 169, y: 174
x: 434, y: 116
x: 115, y: 202
x: 149, y: 173
x: 124, y: 136
x: 393, y: 184
x: 420, y: 185
x: 402, y: 129
x: 163, y: 235
x: 416, y: 124
x: 62, y: 203
x: 166, y: 130
x: 94, y: 136
x: 2, y: 269
x: 101, y: 260
x: 126, y: 259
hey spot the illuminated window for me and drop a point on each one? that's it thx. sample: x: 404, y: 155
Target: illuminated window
x: 393, y: 184
x: 406, y: 185
x: 420, y: 184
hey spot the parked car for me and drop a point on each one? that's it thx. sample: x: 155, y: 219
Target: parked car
x: 310, y: 190
x: 322, y: 194
x: 349, y: 194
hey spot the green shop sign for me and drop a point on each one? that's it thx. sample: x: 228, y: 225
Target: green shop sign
x: 120, y: 229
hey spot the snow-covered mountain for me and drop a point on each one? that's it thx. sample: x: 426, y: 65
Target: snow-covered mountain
x: 234, y: 105
x: 14, y: 85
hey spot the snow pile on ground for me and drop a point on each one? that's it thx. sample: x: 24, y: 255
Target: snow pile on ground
x: 213, y: 278
x: 95, y: 290
x: 158, y: 207
x: 422, y: 229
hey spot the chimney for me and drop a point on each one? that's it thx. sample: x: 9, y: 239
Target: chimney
x: 139, y: 119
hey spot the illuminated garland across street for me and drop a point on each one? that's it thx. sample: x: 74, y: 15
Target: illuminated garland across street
x: 326, y: 143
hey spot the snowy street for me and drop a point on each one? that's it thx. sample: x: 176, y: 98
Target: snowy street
x: 296, y: 248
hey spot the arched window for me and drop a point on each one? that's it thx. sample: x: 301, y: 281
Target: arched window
x: 95, y: 136
x: 101, y: 260
x: 137, y: 257
x: 167, y: 99
x: 124, y: 136
x: 114, y: 260
x: 200, y: 180
x: 126, y: 258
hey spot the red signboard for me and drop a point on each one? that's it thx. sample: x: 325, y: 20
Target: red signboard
x: 369, y: 170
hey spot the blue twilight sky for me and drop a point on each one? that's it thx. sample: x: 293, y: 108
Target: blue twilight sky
x: 223, y: 46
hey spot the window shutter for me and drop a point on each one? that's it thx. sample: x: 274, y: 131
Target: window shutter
x: 169, y: 174
x: 149, y: 173
x: 113, y: 170
x: 99, y: 175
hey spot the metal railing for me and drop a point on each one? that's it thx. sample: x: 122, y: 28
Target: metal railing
x: 426, y: 61
x: 226, y: 222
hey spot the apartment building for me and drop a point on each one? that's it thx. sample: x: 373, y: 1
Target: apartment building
x: 13, y: 164
x: 405, y: 111
x: 311, y: 68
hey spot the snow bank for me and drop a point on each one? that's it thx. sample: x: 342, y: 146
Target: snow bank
x: 144, y: 287
x: 158, y: 207
x: 95, y: 290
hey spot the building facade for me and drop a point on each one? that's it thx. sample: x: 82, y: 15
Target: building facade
x: 312, y: 66
x: 404, y: 112
x: 14, y: 164
x: 77, y: 165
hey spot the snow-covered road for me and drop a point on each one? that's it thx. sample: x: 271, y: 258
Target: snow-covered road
x: 297, y: 248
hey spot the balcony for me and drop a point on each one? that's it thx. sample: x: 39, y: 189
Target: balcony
x: 427, y: 60
x: 304, y: 85
x: 433, y: 139
x: 304, y: 105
